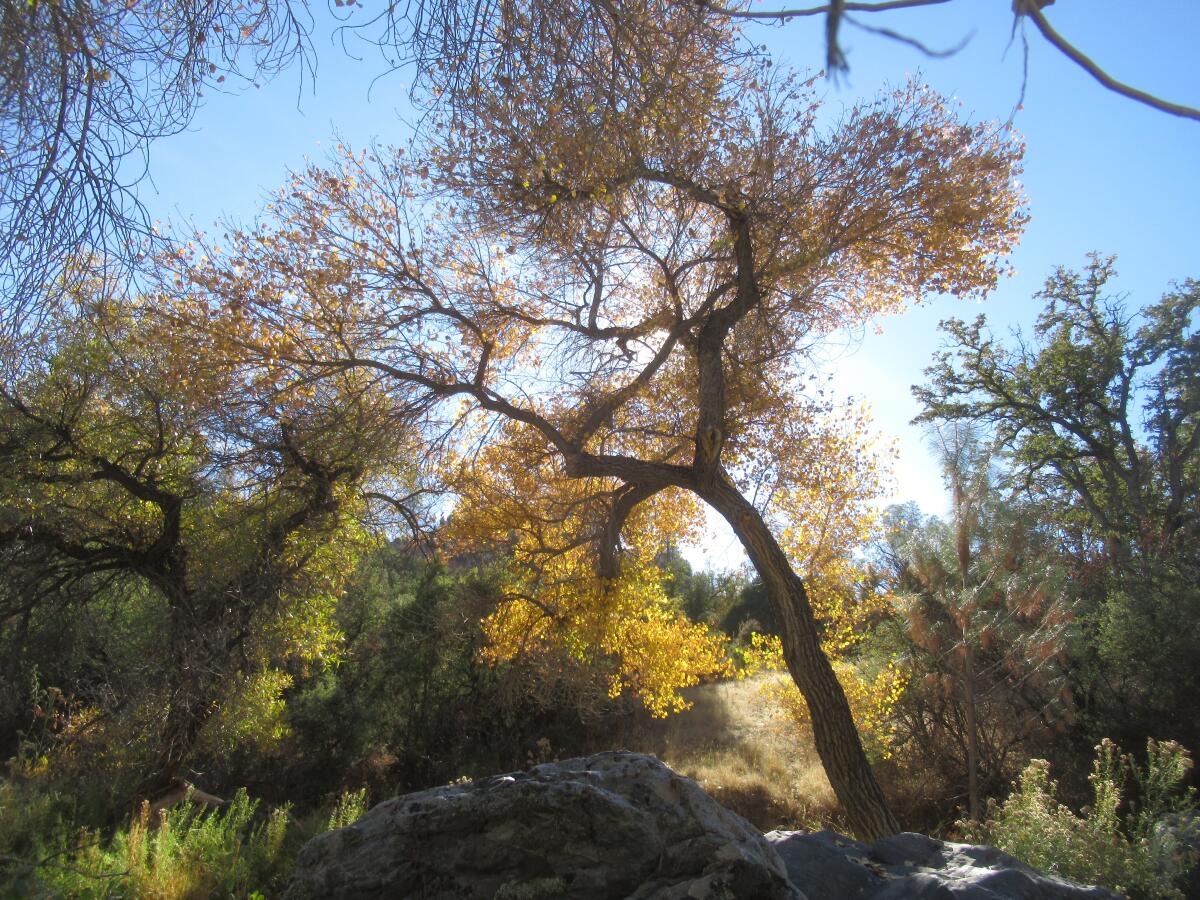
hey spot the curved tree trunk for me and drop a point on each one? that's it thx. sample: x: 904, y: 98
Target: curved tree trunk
x: 836, y: 737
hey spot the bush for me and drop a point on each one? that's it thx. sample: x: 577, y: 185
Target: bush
x: 1132, y: 853
x: 185, y: 852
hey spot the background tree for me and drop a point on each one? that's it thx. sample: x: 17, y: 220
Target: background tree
x: 982, y: 630
x: 416, y: 700
x: 703, y: 596
x: 209, y: 529
x: 1098, y: 419
x: 623, y: 250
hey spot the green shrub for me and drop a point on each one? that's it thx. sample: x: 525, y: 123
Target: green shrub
x: 186, y: 852
x: 1132, y: 852
x: 347, y: 809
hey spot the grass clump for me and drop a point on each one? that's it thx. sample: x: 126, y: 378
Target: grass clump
x: 745, y: 752
x: 1118, y: 842
x: 237, y: 851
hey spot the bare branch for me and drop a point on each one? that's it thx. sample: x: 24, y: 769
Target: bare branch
x: 819, y: 10
x: 1088, y: 65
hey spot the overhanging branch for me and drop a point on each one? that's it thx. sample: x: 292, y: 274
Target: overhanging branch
x: 836, y: 12
x: 1072, y: 53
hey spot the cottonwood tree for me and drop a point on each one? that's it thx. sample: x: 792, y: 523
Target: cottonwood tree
x: 610, y: 262
x: 822, y: 522
x: 141, y: 483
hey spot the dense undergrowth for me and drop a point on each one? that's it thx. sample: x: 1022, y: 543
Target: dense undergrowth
x: 240, y: 850
x: 411, y: 704
x: 1142, y: 848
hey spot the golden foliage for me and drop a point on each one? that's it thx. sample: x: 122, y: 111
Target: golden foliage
x: 544, y: 524
x: 872, y: 698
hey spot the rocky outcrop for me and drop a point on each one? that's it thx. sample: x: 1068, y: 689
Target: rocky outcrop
x: 915, y: 867
x: 623, y: 825
x: 605, y: 826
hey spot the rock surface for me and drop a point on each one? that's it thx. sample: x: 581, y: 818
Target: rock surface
x: 606, y: 826
x: 623, y: 825
x: 826, y: 864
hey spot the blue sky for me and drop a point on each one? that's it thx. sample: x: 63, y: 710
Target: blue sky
x: 1101, y: 172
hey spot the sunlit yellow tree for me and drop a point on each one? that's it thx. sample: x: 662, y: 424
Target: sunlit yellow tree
x: 608, y: 263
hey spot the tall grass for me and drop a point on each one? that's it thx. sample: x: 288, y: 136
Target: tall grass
x: 746, y: 753
x: 185, y: 853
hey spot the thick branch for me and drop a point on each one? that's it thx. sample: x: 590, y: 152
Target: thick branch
x: 710, y: 351
x: 610, y: 565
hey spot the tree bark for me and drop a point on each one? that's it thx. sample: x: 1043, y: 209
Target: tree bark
x: 834, y: 732
x: 193, y: 683
x: 973, y: 806
x: 836, y: 737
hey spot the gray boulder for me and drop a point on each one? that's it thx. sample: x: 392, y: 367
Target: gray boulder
x: 827, y: 864
x: 612, y: 825
x: 623, y: 825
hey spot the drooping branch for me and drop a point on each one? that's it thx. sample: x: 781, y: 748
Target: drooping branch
x: 1034, y: 12
x: 835, y: 60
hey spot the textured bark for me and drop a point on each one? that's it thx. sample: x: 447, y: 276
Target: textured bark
x: 834, y: 733
x: 193, y: 680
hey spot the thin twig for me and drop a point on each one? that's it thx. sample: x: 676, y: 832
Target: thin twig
x: 912, y: 41
x: 820, y: 10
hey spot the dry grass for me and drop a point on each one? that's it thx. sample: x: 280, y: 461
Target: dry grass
x: 738, y: 746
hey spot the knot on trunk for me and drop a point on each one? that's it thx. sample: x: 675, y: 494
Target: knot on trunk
x: 573, y: 465
x: 708, y: 451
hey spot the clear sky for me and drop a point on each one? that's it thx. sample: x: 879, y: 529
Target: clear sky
x: 1101, y: 172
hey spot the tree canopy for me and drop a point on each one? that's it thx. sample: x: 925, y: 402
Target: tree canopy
x: 137, y: 480
x: 1098, y: 417
x: 608, y: 261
